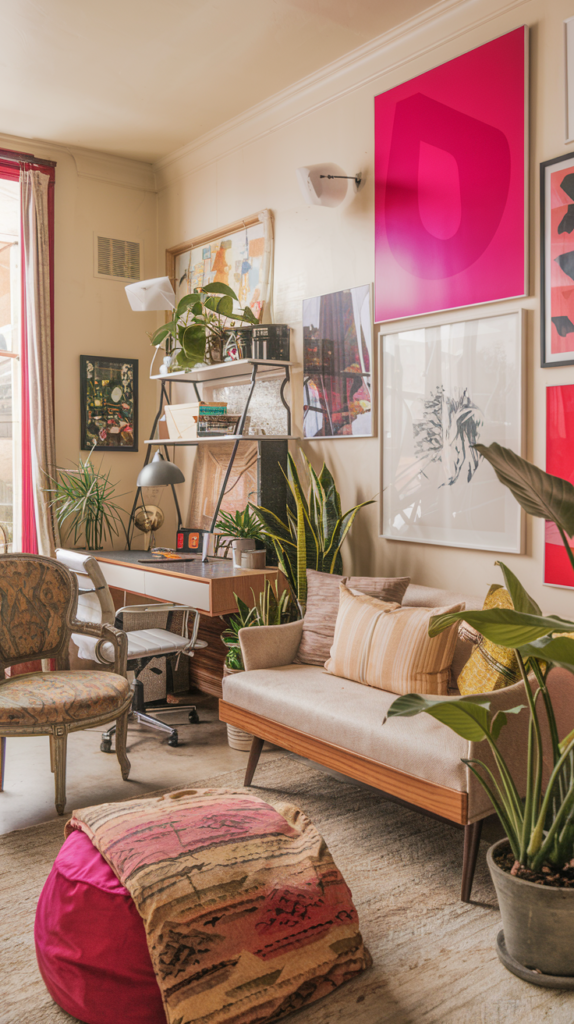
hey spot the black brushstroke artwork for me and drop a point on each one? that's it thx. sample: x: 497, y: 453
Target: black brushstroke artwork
x: 449, y: 427
x: 566, y: 225
x: 566, y: 263
x: 563, y: 325
x: 567, y: 185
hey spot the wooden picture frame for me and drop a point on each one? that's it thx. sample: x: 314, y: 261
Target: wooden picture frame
x: 557, y: 261
x: 108, y: 404
x: 239, y: 254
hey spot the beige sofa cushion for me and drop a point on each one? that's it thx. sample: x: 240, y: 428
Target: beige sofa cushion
x: 381, y: 644
x: 323, y: 606
x: 350, y: 715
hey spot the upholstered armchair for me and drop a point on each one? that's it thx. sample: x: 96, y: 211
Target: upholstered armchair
x: 38, y: 600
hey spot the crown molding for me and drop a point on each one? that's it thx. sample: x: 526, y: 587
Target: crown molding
x: 368, y: 63
x: 89, y: 163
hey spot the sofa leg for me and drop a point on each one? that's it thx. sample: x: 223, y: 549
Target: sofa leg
x: 254, y: 755
x: 471, y: 844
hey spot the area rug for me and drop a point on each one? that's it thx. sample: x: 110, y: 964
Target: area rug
x: 434, y: 958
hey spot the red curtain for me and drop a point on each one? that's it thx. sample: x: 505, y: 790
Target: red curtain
x: 11, y: 171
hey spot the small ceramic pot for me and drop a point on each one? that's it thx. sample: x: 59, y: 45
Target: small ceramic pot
x: 537, y: 920
x: 238, y: 545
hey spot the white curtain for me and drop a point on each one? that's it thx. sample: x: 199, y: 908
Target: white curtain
x: 36, y: 257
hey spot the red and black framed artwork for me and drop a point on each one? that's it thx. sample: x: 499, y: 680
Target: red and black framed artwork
x: 557, y: 261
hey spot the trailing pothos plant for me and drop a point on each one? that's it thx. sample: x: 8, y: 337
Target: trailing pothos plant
x: 540, y: 826
x: 269, y: 609
x: 196, y: 333
x: 315, y: 529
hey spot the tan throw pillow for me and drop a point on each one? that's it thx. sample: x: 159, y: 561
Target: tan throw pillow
x: 320, y: 617
x: 386, y: 588
x: 381, y: 644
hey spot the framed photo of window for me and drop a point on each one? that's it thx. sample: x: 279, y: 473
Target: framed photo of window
x: 557, y: 261
x: 109, y: 404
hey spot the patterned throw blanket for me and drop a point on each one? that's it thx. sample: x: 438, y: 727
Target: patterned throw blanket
x: 246, y: 914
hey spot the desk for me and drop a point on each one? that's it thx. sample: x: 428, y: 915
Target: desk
x: 207, y: 586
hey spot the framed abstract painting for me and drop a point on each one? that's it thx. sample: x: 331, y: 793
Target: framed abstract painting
x: 450, y: 183
x: 109, y: 404
x: 446, y: 388
x: 557, y: 261
x: 559, y: 462
x: 337, y: 364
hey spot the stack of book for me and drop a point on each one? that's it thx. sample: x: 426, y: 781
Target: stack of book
x: 189, y: 421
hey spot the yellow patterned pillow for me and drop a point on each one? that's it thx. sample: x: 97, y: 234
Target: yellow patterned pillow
x: 490, y: 666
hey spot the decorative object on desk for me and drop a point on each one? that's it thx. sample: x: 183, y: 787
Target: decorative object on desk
x: 197, y: 332
x: 326, y: 184
x: 148, y: 519
x: 314, y: 532
x: 109, y: 403
x: 253, y: 558
x: 337, y: 358
x: 243, y: 527
x: 83, y: 500
x: 189, y: 540
x: 159, y: 472
x: 445, y: 388
x: 557, y: 261
x: 272, y: 341
x: 539, y: 847
x: 450, y: 173
x: 239, y: 255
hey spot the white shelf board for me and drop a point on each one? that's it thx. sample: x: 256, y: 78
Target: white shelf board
x: 234, y: 368
x: 167, y: 441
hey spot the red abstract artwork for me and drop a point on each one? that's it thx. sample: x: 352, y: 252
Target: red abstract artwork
x: 450, y: 183
x: 560, y: 462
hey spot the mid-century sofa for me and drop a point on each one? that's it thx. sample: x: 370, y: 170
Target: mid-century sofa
x: 339, y: 724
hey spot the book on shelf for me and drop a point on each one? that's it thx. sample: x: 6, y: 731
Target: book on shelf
x: 216, y: 426
x: 181, y: 420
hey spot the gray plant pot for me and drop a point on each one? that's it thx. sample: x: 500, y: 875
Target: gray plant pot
x: 538, y: 921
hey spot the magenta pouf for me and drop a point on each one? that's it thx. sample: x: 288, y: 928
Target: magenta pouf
x: 90, y: 942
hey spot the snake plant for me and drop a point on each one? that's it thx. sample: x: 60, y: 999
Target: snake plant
x: 314, y: 531
x: 540, y: 826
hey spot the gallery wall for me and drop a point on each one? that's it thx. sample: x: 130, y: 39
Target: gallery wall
x: 115, y: 198
x: 249, y: 164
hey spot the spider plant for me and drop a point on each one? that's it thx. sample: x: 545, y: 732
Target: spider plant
x: 240, y: 524
x: 200, y: 323
x: 269, y: 609
x: 540, y: 826
x: 313, y: 534
x: 84, y: 505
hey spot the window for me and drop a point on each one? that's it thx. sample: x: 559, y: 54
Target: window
x: 10, y: 419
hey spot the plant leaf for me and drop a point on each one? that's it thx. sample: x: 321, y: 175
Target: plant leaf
x: 162, y: 332
x: 468, y: 719
x: 537, y: 492
x: 183, y: 304
x: 219, y: 288
x: 225, y: 306
x: 502, y: 626
x: 520, y: 599
x: 559, y: 650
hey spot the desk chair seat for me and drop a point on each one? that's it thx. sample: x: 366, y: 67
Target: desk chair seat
x: 143, y: 644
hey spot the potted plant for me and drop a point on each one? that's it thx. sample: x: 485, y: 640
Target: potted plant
x: 314, y: 532
x: 83, y: 501
x: 197, y: 332
x: 533, y: 868
x: 243, y: 527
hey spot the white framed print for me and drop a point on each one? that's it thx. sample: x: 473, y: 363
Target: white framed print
x: 445, y: 388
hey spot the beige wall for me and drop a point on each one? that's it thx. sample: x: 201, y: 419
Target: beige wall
x: 250, y: 164
x: 114, y: 197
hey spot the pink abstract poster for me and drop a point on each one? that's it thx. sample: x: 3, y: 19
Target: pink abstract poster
x: 450, y: 183
x: 560, y: 462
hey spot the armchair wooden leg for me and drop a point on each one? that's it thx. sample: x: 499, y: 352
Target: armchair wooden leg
x: 52, y: 754
x: 121, y: 744
x: 2, y: 761
x: 60, y: 743
x: 470, y: 854
x: 254, y: 755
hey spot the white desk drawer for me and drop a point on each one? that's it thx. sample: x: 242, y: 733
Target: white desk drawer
x: 123, y: 577
x: 171, y: 588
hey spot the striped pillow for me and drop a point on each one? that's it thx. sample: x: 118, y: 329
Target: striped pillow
x: 381, y: 644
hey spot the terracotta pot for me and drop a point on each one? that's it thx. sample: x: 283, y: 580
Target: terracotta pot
x: 536, y: 919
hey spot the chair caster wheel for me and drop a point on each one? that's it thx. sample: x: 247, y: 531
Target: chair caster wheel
x: 173, y: 740
x: 106, y: 746
x: 193, y: 717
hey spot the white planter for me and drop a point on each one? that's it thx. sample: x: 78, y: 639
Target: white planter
x: 238, y: 739
x: 238, y: 545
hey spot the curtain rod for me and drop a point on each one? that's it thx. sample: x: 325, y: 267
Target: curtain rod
x: 24, y: 158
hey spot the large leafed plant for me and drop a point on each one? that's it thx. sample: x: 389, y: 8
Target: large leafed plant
x: 314, y: 530
x: 540, y: 826
x: 197, y: 331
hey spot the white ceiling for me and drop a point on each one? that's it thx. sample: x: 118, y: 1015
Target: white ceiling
x: 140, y: 78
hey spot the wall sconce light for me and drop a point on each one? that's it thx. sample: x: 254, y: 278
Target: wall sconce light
x: 326, y: 184
x: 155, y: 293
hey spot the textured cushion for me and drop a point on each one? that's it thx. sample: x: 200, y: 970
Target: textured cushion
x: 490, y: 666
x: 90, y: 942
x: 323, y: 606
x: 350, y: 715
x: 48, y: 697
x: 381, y: 644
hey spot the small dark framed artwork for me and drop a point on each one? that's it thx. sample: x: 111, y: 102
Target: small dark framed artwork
x: 109, y: 403
x: 557, y: 261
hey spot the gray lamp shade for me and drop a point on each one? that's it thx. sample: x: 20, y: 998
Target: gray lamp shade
x: 159, y: 473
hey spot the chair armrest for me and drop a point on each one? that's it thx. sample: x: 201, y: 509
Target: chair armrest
x: 105, y: 633
x: 270, y: 646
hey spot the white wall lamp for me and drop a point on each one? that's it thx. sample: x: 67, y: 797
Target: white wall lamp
x: 155, y: 293
x: 326, y: 184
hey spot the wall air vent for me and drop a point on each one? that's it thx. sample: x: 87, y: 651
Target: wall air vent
x: 117, y: 259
